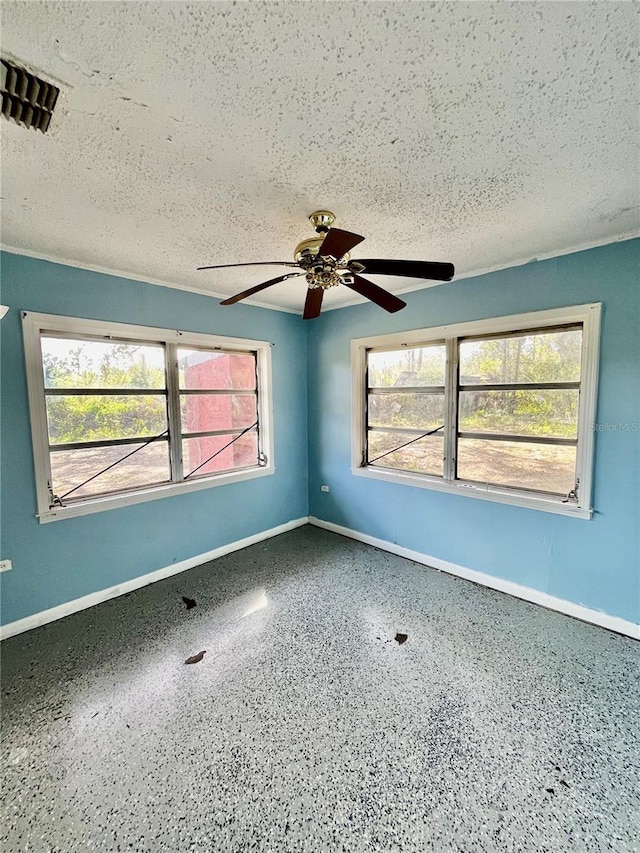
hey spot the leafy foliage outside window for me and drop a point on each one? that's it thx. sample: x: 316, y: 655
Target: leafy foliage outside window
x: 92, y: 365
x: 512, y: 430
x: 534, y: 358
x: 102, y: 396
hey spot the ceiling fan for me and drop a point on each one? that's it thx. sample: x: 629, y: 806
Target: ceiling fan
x: 325, y: 262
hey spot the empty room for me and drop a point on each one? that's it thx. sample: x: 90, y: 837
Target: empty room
x: 320, y: 422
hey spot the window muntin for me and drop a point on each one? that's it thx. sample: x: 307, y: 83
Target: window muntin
x: 535, y: 411
x: 218, y: 411
x: 416, y: 366
x: 87, y: 362
x: 494, y: 414
x: 423, y: 456
x: 516, y: 398
x: 105, y: 401
x: 100, y: 441
x: 517, y: 401
x: 518, y: 357
x: 123, y: 419
x: 75, y: 473
x: 210, y: 413
x: 405, y: 401
x: 544, y: 468
x: 411, y: 410
x: 202, y: 369
x: 206, y: 455
x: 78, y: 417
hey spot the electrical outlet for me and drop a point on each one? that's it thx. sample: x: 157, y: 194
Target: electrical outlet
x: 5, y: 565
x: 324, y: 488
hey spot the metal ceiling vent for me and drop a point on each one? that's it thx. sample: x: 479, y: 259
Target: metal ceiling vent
x: 26, y: 99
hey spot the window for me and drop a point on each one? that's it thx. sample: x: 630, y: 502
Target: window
x: 500, y: 409
x: 405, y: 408
x: 122, y: 414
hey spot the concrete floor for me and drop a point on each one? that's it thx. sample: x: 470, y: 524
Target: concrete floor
x: 496, y: 726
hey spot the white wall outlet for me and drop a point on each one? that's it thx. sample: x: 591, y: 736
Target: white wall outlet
x: 5, y: 565
x: 324, y: 488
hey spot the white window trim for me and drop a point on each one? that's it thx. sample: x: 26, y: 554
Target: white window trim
x: 34, y: 324
x: 588, y: 315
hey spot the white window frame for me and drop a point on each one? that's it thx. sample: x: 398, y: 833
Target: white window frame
x: 34, y: 325
x: 588, y: 315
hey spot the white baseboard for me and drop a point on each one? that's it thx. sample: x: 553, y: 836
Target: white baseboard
x: 595, y: 617
x: 93, y: 598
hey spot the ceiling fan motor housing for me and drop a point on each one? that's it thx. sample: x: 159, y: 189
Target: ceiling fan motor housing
x: 308, y: 249
x: 322, y: 271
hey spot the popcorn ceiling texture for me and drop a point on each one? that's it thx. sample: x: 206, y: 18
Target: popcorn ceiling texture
x: 484, y: 134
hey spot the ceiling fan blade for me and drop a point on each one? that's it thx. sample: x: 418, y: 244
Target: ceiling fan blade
x: 258, y: 287
x: 376, y: 294
x: 412, y: 269
x: 252, y: 264
x: 313, y: 303
x: 337, y: 243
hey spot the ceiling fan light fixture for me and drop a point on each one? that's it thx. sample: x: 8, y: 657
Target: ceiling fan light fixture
x: 323, y: 271
x: 324, y: 279
x: 325, y: 262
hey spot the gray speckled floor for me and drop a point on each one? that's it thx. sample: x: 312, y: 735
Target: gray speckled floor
x: 496, y: 726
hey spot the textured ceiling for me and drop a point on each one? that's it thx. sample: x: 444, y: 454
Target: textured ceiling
x: 484, y: 134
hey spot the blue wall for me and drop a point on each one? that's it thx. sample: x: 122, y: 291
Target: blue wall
x: 595, y: 563
x: 54, y: 563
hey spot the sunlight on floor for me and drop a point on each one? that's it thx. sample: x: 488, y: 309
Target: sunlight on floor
x: 258, y: 604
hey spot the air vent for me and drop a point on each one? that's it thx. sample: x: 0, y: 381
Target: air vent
x: 26, y: 99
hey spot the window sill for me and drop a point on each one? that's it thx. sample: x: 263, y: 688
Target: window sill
x: 165, y: 491
x: 474, y: 490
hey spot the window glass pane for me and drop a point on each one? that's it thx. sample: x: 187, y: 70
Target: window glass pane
x: 241, y: 454
x: 410, y: 366
x: 418, y: 411
x: 216, y: 371
x: 535, y: 412
x: 98, y: 417
x: 147, y: 467
x: 424, y: 456
x: 533, y: 357
x: 518, y: 464
x: 204, y: 412
x: 72, y: 363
